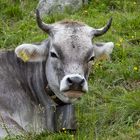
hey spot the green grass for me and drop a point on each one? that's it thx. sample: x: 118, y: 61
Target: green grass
x: 111, y: 109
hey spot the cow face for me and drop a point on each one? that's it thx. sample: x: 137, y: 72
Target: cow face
x: 70, y: 53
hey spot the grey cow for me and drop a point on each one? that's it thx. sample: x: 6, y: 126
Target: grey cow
x: 39, y: 82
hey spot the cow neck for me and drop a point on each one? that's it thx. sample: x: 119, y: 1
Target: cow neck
x: 32, y: 76
x: 53, y: 96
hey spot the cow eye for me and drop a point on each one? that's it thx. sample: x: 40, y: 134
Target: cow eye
x: 53, y: 55
x: 92, y: 58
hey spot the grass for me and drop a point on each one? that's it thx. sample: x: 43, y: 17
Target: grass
x: 111, y: 109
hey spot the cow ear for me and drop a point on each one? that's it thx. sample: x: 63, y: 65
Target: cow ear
x: 31, y: 52
x: 103, y: 50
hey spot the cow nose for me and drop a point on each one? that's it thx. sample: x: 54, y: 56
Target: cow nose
x: 73, y: 82
x: 77, y: 82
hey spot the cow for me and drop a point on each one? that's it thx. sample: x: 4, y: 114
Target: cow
x: 39, y: 82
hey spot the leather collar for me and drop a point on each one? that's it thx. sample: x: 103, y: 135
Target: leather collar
x: 53, y: 96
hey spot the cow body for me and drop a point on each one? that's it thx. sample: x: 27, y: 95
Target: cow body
x: 39, y: 82
x: 18, y: 87
x: 24, y: 104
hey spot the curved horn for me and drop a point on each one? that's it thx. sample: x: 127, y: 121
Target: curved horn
x: 42, y: 25
x: 101, y: 31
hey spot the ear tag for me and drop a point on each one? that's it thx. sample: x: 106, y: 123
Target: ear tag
x: 24, y: 56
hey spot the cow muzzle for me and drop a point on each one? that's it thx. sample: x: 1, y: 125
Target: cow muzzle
x: 73, y: 85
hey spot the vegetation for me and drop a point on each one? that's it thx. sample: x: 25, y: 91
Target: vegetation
x: 111, y: 109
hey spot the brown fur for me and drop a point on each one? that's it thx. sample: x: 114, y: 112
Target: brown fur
x: 71, y: 23
x: 73, y: 94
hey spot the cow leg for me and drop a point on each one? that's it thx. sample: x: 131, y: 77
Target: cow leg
x: 3, y: 133
x: 65, y: 118
x: 8, y: 126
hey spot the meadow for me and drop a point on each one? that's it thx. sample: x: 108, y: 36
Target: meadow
x: 111, y: 108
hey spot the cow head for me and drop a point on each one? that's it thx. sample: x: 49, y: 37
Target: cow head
x: 69, y: 53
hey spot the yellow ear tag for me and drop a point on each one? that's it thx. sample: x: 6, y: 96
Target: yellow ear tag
x: 24, y: 56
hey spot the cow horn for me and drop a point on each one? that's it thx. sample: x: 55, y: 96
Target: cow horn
x: 42, y: 25
x: 101, y: 31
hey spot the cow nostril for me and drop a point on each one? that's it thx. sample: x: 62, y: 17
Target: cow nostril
x: 69, y: 81
x: 82, y: 81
